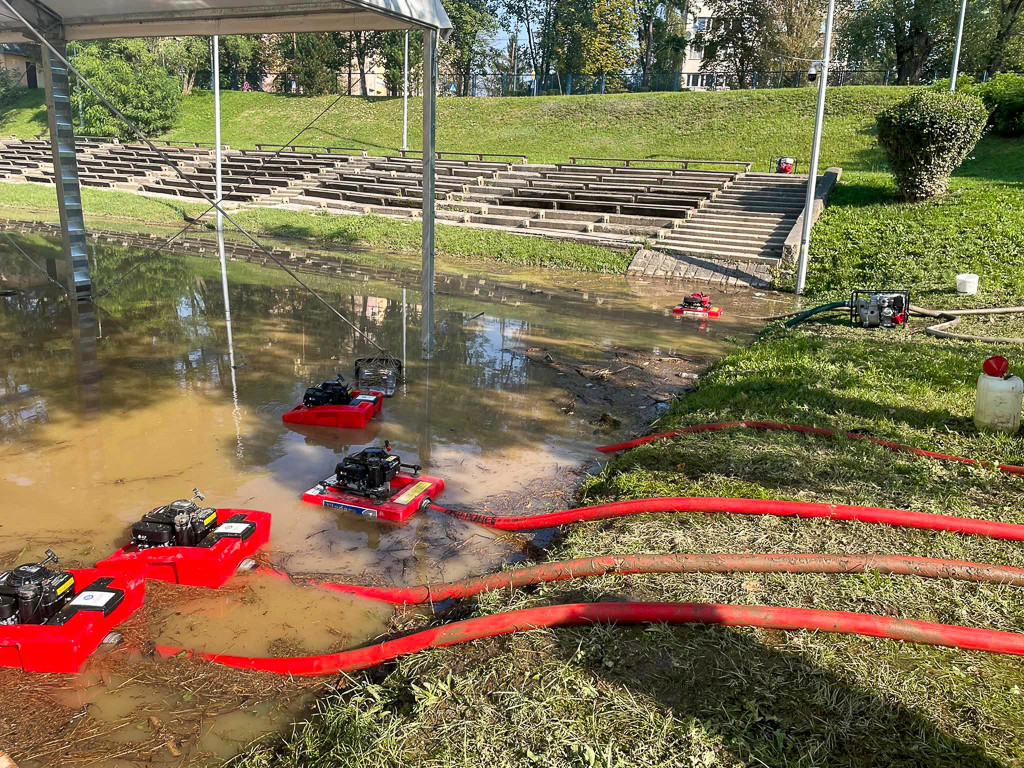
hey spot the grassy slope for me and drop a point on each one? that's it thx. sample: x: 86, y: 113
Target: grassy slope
x: 712, y: 697
x: 739, y: 126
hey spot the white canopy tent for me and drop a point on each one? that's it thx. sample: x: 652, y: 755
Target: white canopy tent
x: 60, y: 21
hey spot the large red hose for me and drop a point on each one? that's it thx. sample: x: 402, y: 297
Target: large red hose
x: 900, y: 517
x: 926, y: 567
x: 577, y: 614
x: 774, y: 425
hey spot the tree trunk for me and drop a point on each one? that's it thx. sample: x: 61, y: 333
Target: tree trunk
x: 1009, y: 14
x: 361, y: 56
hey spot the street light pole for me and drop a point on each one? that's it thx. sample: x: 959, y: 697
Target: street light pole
x: 812, y: 171
x: 956, y: 49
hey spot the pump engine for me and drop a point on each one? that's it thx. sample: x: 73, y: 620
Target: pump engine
x: 182, y: 523
x: 696, y: 301
x: 334, y: 392
x: 33, y: 593
x: 879, y: 309
x: 370, y: 472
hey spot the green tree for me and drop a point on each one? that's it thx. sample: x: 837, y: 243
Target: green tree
x: 392, y: 54
x: 473, y: 21
x: 909, y: 35
x: 742, y: 38
x: 129, y: 74
x: 186, y: 57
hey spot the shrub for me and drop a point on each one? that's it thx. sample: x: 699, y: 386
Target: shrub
x: 9, y: 82
x: 927, y: 136
x: 128, y: 74
x: 1004, y: 97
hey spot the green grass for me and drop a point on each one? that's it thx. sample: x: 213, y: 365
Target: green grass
x: 655, y: 696
x: 128, y: 212
x: 866, y: 239
x: 740, y: 125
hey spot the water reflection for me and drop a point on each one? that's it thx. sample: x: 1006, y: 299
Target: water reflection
x: 174, y: 407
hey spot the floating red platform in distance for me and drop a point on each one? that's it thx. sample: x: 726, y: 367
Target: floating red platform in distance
x: 104, y: 598
x: 711, y: 312
x: 364, y: 406
x: 239, y: 533
x: 408, y: 495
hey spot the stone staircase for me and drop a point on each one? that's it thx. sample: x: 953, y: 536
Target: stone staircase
x: 747, y: 221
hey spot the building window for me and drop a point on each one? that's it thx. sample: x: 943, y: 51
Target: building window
x: 703, y: 24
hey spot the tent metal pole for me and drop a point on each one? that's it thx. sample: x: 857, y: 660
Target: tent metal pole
x: 219, y: 153
x: 65, y: 173
x: 429, y: 168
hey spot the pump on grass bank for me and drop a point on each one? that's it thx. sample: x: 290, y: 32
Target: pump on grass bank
x: 371, y: 482
x: 184, y: 543
x: 51, y: 620
x: 879, y: 308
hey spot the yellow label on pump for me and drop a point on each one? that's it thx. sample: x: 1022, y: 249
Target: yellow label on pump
x: 411, y: 492
x: 211, y: 518
x: 66, y: 586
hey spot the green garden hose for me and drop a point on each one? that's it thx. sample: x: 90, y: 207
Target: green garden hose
x: 817, y: 310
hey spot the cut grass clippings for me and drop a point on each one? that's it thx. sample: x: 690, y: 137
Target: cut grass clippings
x: 696, y: 696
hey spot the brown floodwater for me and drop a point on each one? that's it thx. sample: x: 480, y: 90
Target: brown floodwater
x: 82, y: 459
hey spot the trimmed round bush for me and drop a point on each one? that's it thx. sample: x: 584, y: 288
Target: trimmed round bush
x: 1004, y: 97
x: 927, y: 136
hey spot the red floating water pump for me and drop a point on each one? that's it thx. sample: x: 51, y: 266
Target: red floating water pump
x: 335, y: 404
x: 697, y: 305
x: 184, y: 543
x: 51, y: 620
x: 371, y: 483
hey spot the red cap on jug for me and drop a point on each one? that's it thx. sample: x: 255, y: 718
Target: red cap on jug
x: 997, y: 366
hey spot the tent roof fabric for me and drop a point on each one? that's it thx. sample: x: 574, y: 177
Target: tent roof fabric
x: 101, y: 19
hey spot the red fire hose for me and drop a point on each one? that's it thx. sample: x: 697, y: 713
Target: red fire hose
x: 899, y: 517
x: 774, y: 425
x: 925, y: 567
x: 581, y: 614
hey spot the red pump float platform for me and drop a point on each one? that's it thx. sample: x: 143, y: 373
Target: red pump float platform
x: 408, y: 495
x: 92, y: 601
x: 371, y: 483
x: 363, y: 407
x: 227, y: 539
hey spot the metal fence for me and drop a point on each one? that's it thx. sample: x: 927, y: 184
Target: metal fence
x: 492, y: 84
x: 503, y: 84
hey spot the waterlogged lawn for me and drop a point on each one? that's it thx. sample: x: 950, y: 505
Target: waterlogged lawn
x: 699, y: 696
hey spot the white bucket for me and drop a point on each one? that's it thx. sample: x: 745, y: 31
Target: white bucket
x: 967, y: 283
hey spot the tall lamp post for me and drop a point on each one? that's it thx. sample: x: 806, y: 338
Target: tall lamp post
x: 405, y: 94
x: 812, y: 171
x: 956, y: 49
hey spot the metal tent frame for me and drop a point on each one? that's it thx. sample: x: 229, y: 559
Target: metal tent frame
x: 55, y: 22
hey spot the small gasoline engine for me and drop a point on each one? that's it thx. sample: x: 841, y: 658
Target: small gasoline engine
x: 370, y: 472
x: 334, y: 392
x: 879, y: 309
x: 182, y: 523
x: 785, y: 165
x: 33, y: 593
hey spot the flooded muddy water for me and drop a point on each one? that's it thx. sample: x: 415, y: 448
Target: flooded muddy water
x: 81, y: 460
